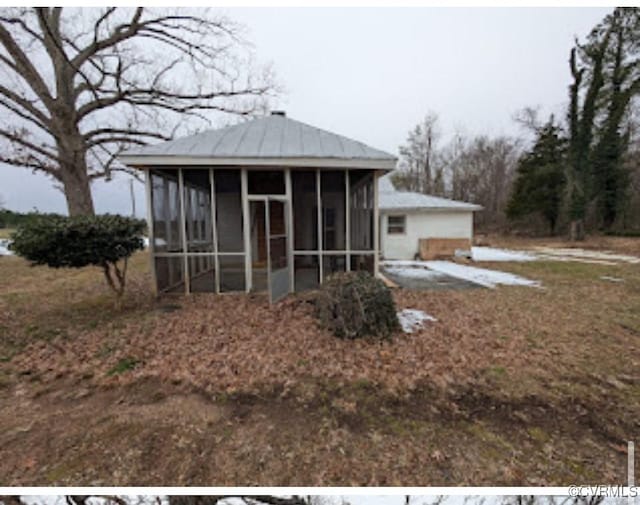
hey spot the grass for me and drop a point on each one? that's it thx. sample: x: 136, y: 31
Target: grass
x: 512, y: 386
x: 39, y: 303
x: 6, y: 232
x: 124, y: 365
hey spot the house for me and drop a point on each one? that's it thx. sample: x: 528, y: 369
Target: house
x: 407, y: 218
x: 270, y: 204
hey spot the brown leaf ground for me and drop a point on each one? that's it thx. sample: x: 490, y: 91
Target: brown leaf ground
x: 511, y: 386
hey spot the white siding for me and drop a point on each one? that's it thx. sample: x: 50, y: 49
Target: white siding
x: 421, y: 224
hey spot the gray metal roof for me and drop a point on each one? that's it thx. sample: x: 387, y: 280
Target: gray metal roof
x: 273, y: 138
x: 390, y: 199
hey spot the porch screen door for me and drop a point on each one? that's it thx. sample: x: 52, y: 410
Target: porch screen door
x: 279, y: 268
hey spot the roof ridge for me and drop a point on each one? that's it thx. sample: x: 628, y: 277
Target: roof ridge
x: 251, y: 140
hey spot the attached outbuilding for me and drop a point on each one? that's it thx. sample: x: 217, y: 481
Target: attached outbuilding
x: 417, y: 225
x: 270, y: 204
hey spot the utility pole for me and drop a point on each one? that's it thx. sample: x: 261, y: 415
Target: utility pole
x: 133, y: 198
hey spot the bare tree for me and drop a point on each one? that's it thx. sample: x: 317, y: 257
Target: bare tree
x: 552, y: 500
x: 472, y: 169
x: 481, y: 170
x: 248, y: 500
x: 299, y: 500
x: 419, y: 170
x: 529, y: 119
x: 170, y: 500
x: 79, y: 85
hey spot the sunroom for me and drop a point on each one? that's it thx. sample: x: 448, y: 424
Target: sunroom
x: 269, y: 205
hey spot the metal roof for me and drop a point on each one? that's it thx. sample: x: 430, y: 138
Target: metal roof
x: 390, y: 199
x: 270, y: 140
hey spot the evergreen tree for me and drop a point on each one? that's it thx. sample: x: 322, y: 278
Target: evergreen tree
x: 606, y: 78
x: 609, y: 175
x: 540, y: 178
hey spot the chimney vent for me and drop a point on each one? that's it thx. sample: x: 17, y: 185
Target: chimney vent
x: 278, y: 113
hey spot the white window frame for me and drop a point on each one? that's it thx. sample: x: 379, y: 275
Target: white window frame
x: 399, y: 229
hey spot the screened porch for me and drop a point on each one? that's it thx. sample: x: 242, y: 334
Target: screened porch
x: 269, y: 230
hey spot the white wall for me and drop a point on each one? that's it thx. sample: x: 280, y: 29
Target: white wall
x: 435, y: 224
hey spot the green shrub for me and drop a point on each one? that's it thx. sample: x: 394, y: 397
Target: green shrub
x: 124, y: 365
x: 79, y: 241
x: 355, y: 305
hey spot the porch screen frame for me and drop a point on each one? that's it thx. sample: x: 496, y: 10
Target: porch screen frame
x: 347, y: 252
x: 184, y: 255
x: 245, y: 254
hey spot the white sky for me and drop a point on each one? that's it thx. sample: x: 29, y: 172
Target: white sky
x: 373, y: 73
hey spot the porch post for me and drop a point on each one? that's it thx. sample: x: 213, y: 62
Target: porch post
x: 150, y: 231
x: 214, y: 230
x: 376, y: 226
x: 246, y: 227
x: 347, y: 226
x: 167, y: 224
x: 183, y: 225
x: 289, y: 228
x: 319, y: 219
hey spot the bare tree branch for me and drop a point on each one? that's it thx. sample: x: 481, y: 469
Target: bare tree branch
x: 11, y: 500
x: 77, y: 91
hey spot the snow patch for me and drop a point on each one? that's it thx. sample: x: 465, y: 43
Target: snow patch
x: 495, y: 254
x: 413, y: 319
x: 413, y: 272
x: 587, y: 256
x: 481, y: 276
x: 432, y: 269
x: 611, y: 279
x: 4, y: 247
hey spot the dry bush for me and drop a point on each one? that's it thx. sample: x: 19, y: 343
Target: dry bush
x: 355, y: 305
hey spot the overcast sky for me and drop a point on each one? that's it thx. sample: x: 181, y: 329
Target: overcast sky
x: 373, y: 73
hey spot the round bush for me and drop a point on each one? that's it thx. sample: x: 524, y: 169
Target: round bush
x: 74, y: 242
x: 80, y: 241
x: 356, y: 305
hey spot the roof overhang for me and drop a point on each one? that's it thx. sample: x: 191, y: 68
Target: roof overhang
x: 144, y: 162
x: 471, y: 208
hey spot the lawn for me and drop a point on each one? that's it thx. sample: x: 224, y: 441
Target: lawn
x: 511, y: 386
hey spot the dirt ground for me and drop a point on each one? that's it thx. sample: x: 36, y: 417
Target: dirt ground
x: 511, y: 386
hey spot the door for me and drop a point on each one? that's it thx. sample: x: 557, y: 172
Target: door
x: 279, y: 268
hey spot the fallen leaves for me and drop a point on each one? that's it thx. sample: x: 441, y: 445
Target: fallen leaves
x: 235, y: 343
x: 563, y: 359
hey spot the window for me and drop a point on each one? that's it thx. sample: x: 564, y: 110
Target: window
x: 266, y: 182
x: 396, y: 224
x: 305, y: 210
x: 329, y: 225
x: 333, y: 195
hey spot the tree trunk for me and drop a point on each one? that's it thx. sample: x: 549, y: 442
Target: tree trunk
x: 74, y: 175
x: 77, y: 191
x: 576, y: 230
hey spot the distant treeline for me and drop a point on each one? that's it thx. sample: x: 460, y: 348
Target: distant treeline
x: 582, y: 171
x: 12, y: 219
